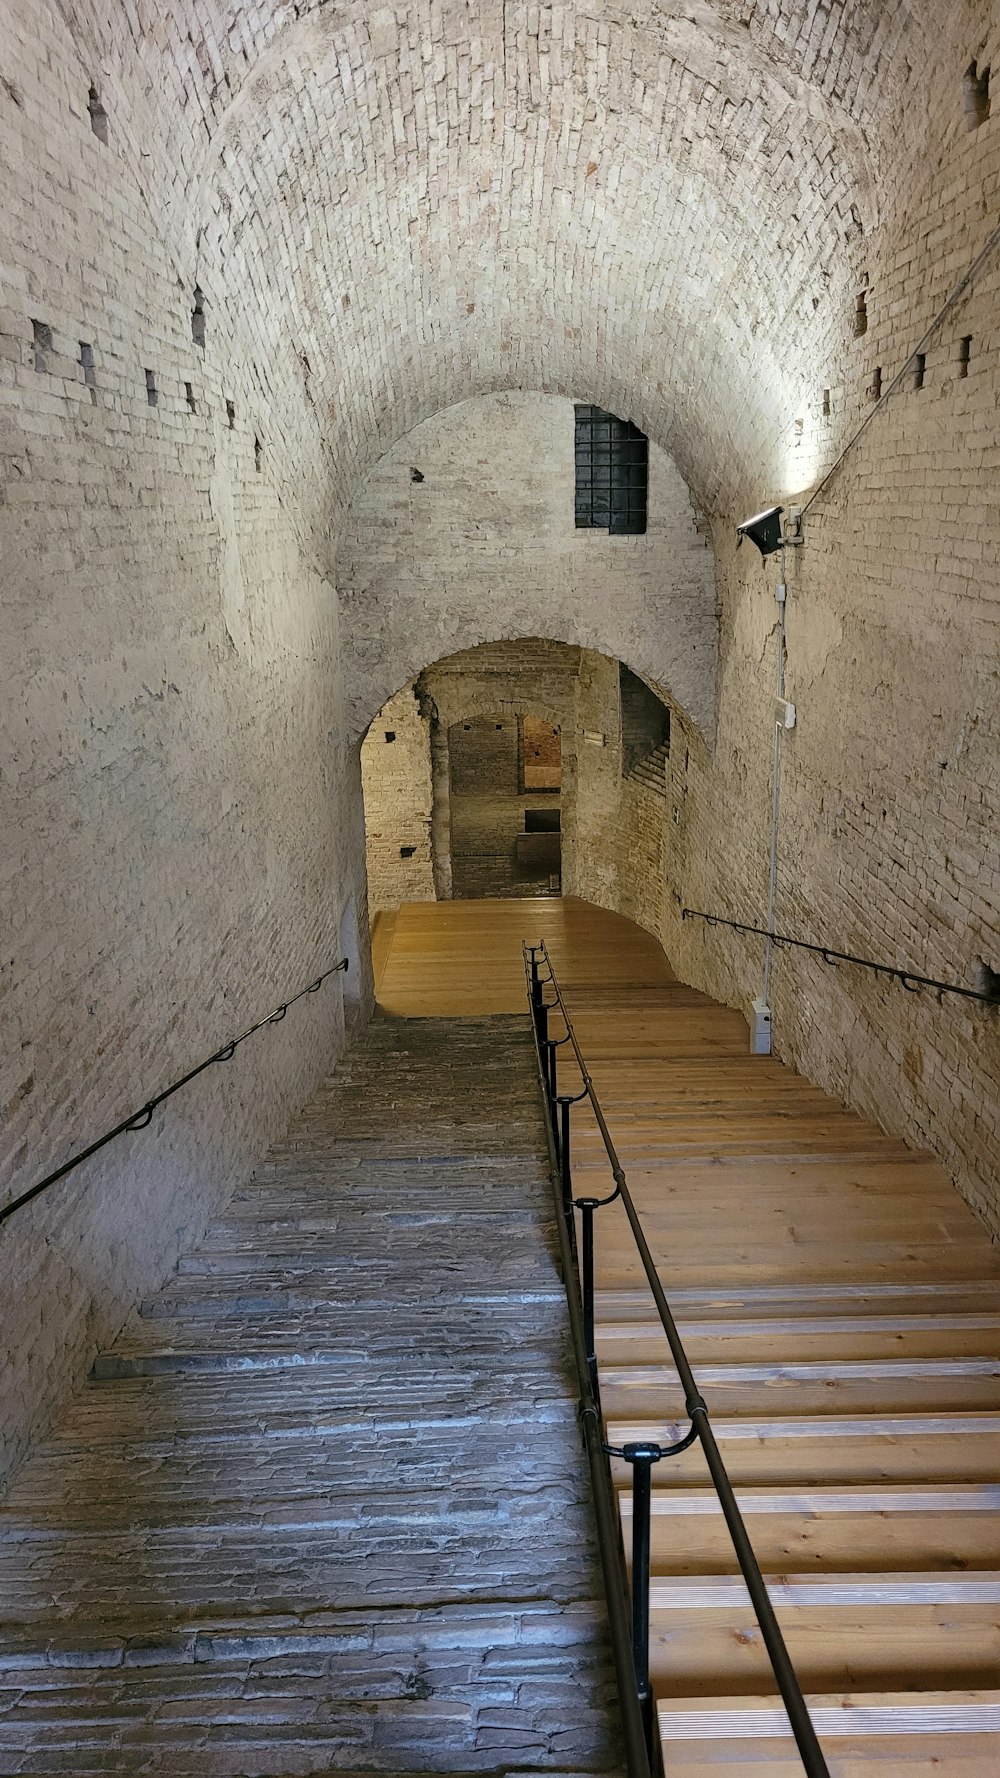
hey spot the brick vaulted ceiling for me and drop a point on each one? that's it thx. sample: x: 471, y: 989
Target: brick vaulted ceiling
x: 661, y: 206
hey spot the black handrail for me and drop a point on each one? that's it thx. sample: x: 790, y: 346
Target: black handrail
x: 908, y: 977
x: 641, y: 1457
x: 140, y: 1120
x: 634, y: 1749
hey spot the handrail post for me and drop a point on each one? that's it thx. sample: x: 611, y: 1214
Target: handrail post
x: 586, y: 1207
x: 565, y: 1101
x: 551, y: 1045
x: 641, y: 1457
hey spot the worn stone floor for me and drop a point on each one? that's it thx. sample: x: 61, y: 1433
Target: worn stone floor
x: 323, y: 1507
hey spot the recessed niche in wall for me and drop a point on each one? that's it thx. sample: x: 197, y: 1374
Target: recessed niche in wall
x: 861, y: 314
x: 977, y: 95
x: 875, y: 388
x: 989, y: 980
x: 645, y: 720
x: 542, y: 820
x: 826, y: 404
x: 198, y: 317
x: 41, y: 334
x: 919, y: 370
x: 98, y: 116
x: 541, y: 754
x: 407, y: 851
x: 231, y: 414
x: 258, y: 455
x: 390, y: 734
x: 152, y: 394
x: 964, y: 354
x: 89, y: 368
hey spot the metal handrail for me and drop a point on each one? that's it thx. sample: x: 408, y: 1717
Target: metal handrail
x: 635, y: 1748
x: 643, y: 1456
x: 140, y: 1120
x: 907, y: 977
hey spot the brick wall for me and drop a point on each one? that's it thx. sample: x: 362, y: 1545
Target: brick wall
x: 179, y: 809
x: 404, y: 223
x: 396, y: 776
x: 541, y: 754
x: 472, y: 707
x: 485, y: 548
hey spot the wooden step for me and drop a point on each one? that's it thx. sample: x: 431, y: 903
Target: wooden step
x: 817, y: 1530
x: 745, y: 1300
x: 842, y: 1631
x: 813, y: 1449
x: 827, y: 1386
x: 862, y: 1733
x: 768, y: 1339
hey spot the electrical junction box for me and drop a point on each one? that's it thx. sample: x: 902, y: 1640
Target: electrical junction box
x: 784, y: 713
x: 760, y: 1029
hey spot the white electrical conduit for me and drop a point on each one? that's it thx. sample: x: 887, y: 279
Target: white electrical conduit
x: 779, y: 692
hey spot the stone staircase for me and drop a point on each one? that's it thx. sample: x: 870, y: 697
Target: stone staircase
x: 651, y: 769
x: 323, y: 1507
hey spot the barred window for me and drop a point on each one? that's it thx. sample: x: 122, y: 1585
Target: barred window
x: 612, y: 459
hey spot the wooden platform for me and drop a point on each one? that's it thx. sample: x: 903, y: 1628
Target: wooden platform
x: 841, y: 1307
x: 454, y: 959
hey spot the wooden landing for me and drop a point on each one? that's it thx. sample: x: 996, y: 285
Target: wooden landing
x: 458, y: 959
x: 841, y: 1307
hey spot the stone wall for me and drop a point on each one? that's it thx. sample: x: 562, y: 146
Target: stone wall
x: 180, y: 813
x: 396, y: 776
x: 420, y: 234
x: 468, y: 708
x: 485, y: 547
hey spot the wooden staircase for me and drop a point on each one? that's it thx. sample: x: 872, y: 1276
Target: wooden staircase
x: 841, y: 1309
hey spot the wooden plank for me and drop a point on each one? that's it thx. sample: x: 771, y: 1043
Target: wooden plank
x: 463, y: 958
x: 776, y: 1339
x: 862, y: 1645
x: 822, y: 1530
x: 831, y: 1387
x: 885, y: 1733
x: 812, y: 1449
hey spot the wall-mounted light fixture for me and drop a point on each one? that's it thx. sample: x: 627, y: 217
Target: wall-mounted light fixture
x: 764, y: 529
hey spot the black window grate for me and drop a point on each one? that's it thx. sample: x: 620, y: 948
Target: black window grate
x: 612, y: 461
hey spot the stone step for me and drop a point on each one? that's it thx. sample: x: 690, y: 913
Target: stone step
x: 323, y: 1505
x: 444, y: 1685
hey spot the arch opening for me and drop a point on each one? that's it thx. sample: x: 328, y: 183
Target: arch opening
x: 517, y: 769
x: 485, y: 547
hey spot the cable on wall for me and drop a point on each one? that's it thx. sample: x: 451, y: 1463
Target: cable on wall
x: 960, y: 288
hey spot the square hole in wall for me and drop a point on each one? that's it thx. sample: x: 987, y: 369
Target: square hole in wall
x: 977, y: 95
x: 88, y: 367
x: 41, y: 335
x: 390, y: 734
x: 407, y: 851
x: 98, y: 116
